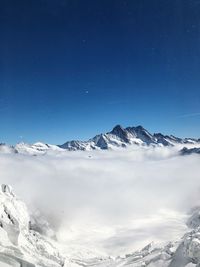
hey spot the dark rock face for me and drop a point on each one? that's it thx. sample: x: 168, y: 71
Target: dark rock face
x: 189, y: 151
x: 122, y: 137
x: 118, y: 137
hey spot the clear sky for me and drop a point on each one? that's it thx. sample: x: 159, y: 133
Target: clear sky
x: 72, y: 68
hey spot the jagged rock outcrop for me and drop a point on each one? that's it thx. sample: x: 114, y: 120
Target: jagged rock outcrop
x: 18, y: 242
x: 123, y: 137
x: 118, y: 137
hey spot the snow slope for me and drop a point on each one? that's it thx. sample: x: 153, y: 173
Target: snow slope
x: 21, y: 246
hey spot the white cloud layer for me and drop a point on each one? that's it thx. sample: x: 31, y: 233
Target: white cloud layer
x: 110, y: 201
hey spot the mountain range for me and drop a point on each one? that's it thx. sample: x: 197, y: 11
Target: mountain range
x: 123, y: 137
x: 118, y: 137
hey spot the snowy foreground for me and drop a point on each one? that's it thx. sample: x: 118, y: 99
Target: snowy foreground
x: 137, y: 207
x: 22, y: 246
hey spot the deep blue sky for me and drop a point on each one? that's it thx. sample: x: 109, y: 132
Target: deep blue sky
x: 73, y: 68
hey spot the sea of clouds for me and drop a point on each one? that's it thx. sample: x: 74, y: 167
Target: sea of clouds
x: 110, y: 202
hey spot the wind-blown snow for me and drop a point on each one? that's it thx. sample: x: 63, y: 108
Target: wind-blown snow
x: 108, y: 202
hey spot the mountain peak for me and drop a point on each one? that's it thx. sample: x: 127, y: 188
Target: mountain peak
x: 118, y: 127
x: 140, y: 127
x: 117, y: 137
x: 121, y: 133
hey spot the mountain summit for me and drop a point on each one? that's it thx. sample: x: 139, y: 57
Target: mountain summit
x: 118, y: 137
x: 123, y: 137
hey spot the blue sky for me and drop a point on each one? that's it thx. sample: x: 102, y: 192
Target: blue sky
x: 70, y: 68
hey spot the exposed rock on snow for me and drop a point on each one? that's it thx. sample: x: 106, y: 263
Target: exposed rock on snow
x: 36, y: 149
x: 189, y: 151
x: 123, y: 137
x: 17, y: 240
x: 119, y: 137
x: 7, y: 149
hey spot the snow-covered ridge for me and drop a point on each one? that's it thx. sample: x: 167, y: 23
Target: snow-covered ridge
x: 119, y: 137
x: 124, y: 137
x: 35, y: 149
x: 21, y: 246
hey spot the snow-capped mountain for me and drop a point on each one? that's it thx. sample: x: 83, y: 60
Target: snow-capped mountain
x: 124, y: 137
x: 119, y: 137
x: 24, y: 244
x: 38, y: 148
